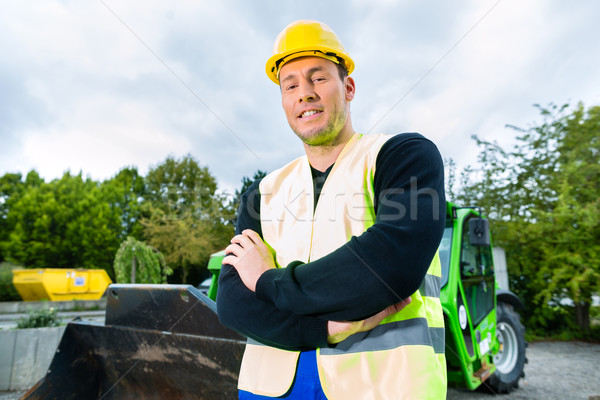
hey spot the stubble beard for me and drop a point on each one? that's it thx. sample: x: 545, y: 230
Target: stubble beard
x: 327, y: 135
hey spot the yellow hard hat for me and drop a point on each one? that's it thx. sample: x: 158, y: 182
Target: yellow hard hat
x: 306, y: 38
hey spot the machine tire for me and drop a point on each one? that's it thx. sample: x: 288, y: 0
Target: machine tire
x: 510, y: 359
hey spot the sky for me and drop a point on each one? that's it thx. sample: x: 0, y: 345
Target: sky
x: 92, y: 87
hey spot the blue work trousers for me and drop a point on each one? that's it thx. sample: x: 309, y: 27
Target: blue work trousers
x: 306, y: 384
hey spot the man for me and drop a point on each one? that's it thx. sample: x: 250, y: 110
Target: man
x: 334, y: 275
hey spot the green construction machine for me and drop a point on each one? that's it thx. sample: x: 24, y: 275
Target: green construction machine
x: 485, y: 342
x: 165, y: 341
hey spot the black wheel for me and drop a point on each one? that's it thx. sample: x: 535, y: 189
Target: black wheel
x: 510, y: 358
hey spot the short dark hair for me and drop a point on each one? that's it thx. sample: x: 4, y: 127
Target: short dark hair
x: 342, y: 71
x: 341, y: 67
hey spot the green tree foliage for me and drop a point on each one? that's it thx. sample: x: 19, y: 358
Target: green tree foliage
x: 186, y: 217
x: 180, y: 187
x: 246, y: 183
x: 124, y: 194
x: 61, y: 224
x: 544, y: 198
x: 137, y: 262
x: 11, y: 188
x: 186, y: 241
x: 76, y: 222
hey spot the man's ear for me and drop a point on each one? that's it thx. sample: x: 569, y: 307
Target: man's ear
x: 350, y: 88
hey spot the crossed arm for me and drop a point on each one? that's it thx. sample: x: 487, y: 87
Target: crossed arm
x: 295, y: 307
x: 239, y: 308
x: 248, y: 254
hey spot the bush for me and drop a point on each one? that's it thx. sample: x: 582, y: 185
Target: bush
x: 46, y: 317
x: 7, y: 290
x: 595, y: 315
x: 557, y: 322
x: 149, y: 263
x: 595, y: 323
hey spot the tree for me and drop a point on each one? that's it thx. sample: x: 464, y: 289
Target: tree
x: 186, y: 242
x: 62, y: 224
x: 185, y: 217
x: 125, y: 193
x: 544, y: 198
x: 246, y: 183
x: 180, y: 187
x: 136, y: 262
x: 11, y: 188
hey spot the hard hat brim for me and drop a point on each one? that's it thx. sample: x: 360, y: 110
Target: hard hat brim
x: 277, y: 61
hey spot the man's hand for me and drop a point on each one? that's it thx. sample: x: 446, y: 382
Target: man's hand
x: 338, y: 331
x: 248, y: 254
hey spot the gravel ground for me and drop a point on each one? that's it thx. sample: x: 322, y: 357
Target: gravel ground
x: 11, y: 395
x: 556, y: 371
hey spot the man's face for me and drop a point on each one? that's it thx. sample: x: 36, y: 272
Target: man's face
x: 315, y: 99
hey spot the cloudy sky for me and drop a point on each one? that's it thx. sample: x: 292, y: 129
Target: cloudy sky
x: 95, y: 86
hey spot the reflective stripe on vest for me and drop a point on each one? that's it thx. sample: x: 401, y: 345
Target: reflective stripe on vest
x: 430, y: 291
x: 431, y: 286
x: 415, y: 331
x: 403, y: 356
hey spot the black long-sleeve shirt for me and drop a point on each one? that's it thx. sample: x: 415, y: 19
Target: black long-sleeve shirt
x: 382, y: 266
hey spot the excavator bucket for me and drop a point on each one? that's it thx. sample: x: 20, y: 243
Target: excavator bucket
x: 157, y: 342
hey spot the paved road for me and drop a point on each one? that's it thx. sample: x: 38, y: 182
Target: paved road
x: 556, y: 371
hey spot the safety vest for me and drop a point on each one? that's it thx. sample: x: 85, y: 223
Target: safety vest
x: 401, y: 358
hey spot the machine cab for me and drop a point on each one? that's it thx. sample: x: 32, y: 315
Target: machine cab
x: 468, y: 296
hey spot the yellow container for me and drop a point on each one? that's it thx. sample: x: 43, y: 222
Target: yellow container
x: 60, y: 284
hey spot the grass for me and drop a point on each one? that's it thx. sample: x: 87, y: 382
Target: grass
x: 43, y: 318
